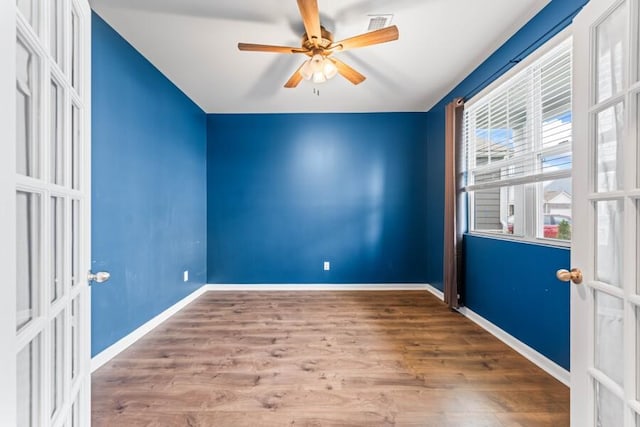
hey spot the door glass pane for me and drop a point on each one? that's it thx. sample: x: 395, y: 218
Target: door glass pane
x: 638, y: 353
x: 57, y: 247
x: 57, y: 362
x: 75, y: 242
x: 609, y: 241
x: 28, y: 243
x: 27, y: 153
x: 609, y: 409
x: 57, y: 145
x: 28, y: 384
x: 610, y: 125
x: 56, y: 31
x: 75, y: 147
x: 637, y: 258
x: 75, y: 337
x: 638, y: 139
x: 75, y: 49
x: 29, y: 9
x: 609, y: 336
x: 610, y: 36
x: 637, y: 46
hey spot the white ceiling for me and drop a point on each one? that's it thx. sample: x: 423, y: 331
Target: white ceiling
x: 194, y: 43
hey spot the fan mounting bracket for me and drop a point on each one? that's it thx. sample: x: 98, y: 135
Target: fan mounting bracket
x: 322, y: 44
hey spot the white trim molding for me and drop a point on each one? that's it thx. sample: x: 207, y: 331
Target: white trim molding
x: 436, y: 292
x: 123, y: 343
x: 538, y: 359
x: 319, y: 287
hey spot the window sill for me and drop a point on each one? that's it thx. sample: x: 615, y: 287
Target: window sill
x: 525, y: 240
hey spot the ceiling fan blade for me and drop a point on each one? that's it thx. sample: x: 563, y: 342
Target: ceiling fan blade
x: 311, y: 18
x: 367, y: 39
x: 347, y: 72
x: 251, y: 47
x: 295, y: 79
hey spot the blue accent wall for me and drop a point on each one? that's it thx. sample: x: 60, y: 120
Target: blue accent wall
x: 148, y: 189
x: 487, y: 297
x: 513, y: 285
x: 289, y: 191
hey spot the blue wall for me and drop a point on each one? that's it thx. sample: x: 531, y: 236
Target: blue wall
x: 550, y: 310
x: 289, y: 191
x: 513, y: 285
x: 149, y: 189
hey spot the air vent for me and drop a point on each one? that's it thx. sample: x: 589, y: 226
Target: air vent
x: 379, y: 21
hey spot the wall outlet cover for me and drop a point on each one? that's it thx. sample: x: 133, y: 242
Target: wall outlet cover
x: 185, y: 276
x: 327, y: 266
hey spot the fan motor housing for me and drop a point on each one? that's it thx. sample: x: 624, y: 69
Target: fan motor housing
x: 323, y: 43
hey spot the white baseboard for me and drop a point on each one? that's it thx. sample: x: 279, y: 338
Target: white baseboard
x: 113, y: 350
x: 544, y: 363
x: 435, y: 291
x: 320, y: 287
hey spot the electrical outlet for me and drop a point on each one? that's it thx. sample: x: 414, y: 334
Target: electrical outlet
x: 185, y: 276
x: 327, y: 266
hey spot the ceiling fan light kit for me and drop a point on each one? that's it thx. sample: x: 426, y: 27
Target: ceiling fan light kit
x: 318, y: 68
x: 318, y: 44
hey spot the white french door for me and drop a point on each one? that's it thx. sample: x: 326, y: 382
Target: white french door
x: 45, y: 215
x: 605, y: 307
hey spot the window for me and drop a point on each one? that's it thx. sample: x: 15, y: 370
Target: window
x: 517, y: 148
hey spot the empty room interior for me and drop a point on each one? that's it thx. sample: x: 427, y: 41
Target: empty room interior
x: 320, y: 212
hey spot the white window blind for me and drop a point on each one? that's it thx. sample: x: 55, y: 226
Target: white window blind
x: 520, y: 132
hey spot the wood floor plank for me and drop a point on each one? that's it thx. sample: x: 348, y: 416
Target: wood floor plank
x: 323, y: 358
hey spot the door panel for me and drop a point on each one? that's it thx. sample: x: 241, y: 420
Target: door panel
x: 604, y: 309
x: 44, y: 192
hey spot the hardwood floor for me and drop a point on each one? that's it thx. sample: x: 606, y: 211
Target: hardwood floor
x: 323, y: 358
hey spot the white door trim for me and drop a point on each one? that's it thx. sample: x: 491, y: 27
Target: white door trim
x: 7, y: 213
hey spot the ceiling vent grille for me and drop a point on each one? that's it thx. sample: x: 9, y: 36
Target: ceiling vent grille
x: 377, y: 22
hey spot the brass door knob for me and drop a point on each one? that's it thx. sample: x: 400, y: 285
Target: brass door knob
x: 99, y: 277
x: 575, y: 275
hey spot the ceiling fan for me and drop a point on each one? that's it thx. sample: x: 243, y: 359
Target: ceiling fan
x: 318, y: 45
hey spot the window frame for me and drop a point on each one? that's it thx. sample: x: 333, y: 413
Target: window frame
x: 530, y: 185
